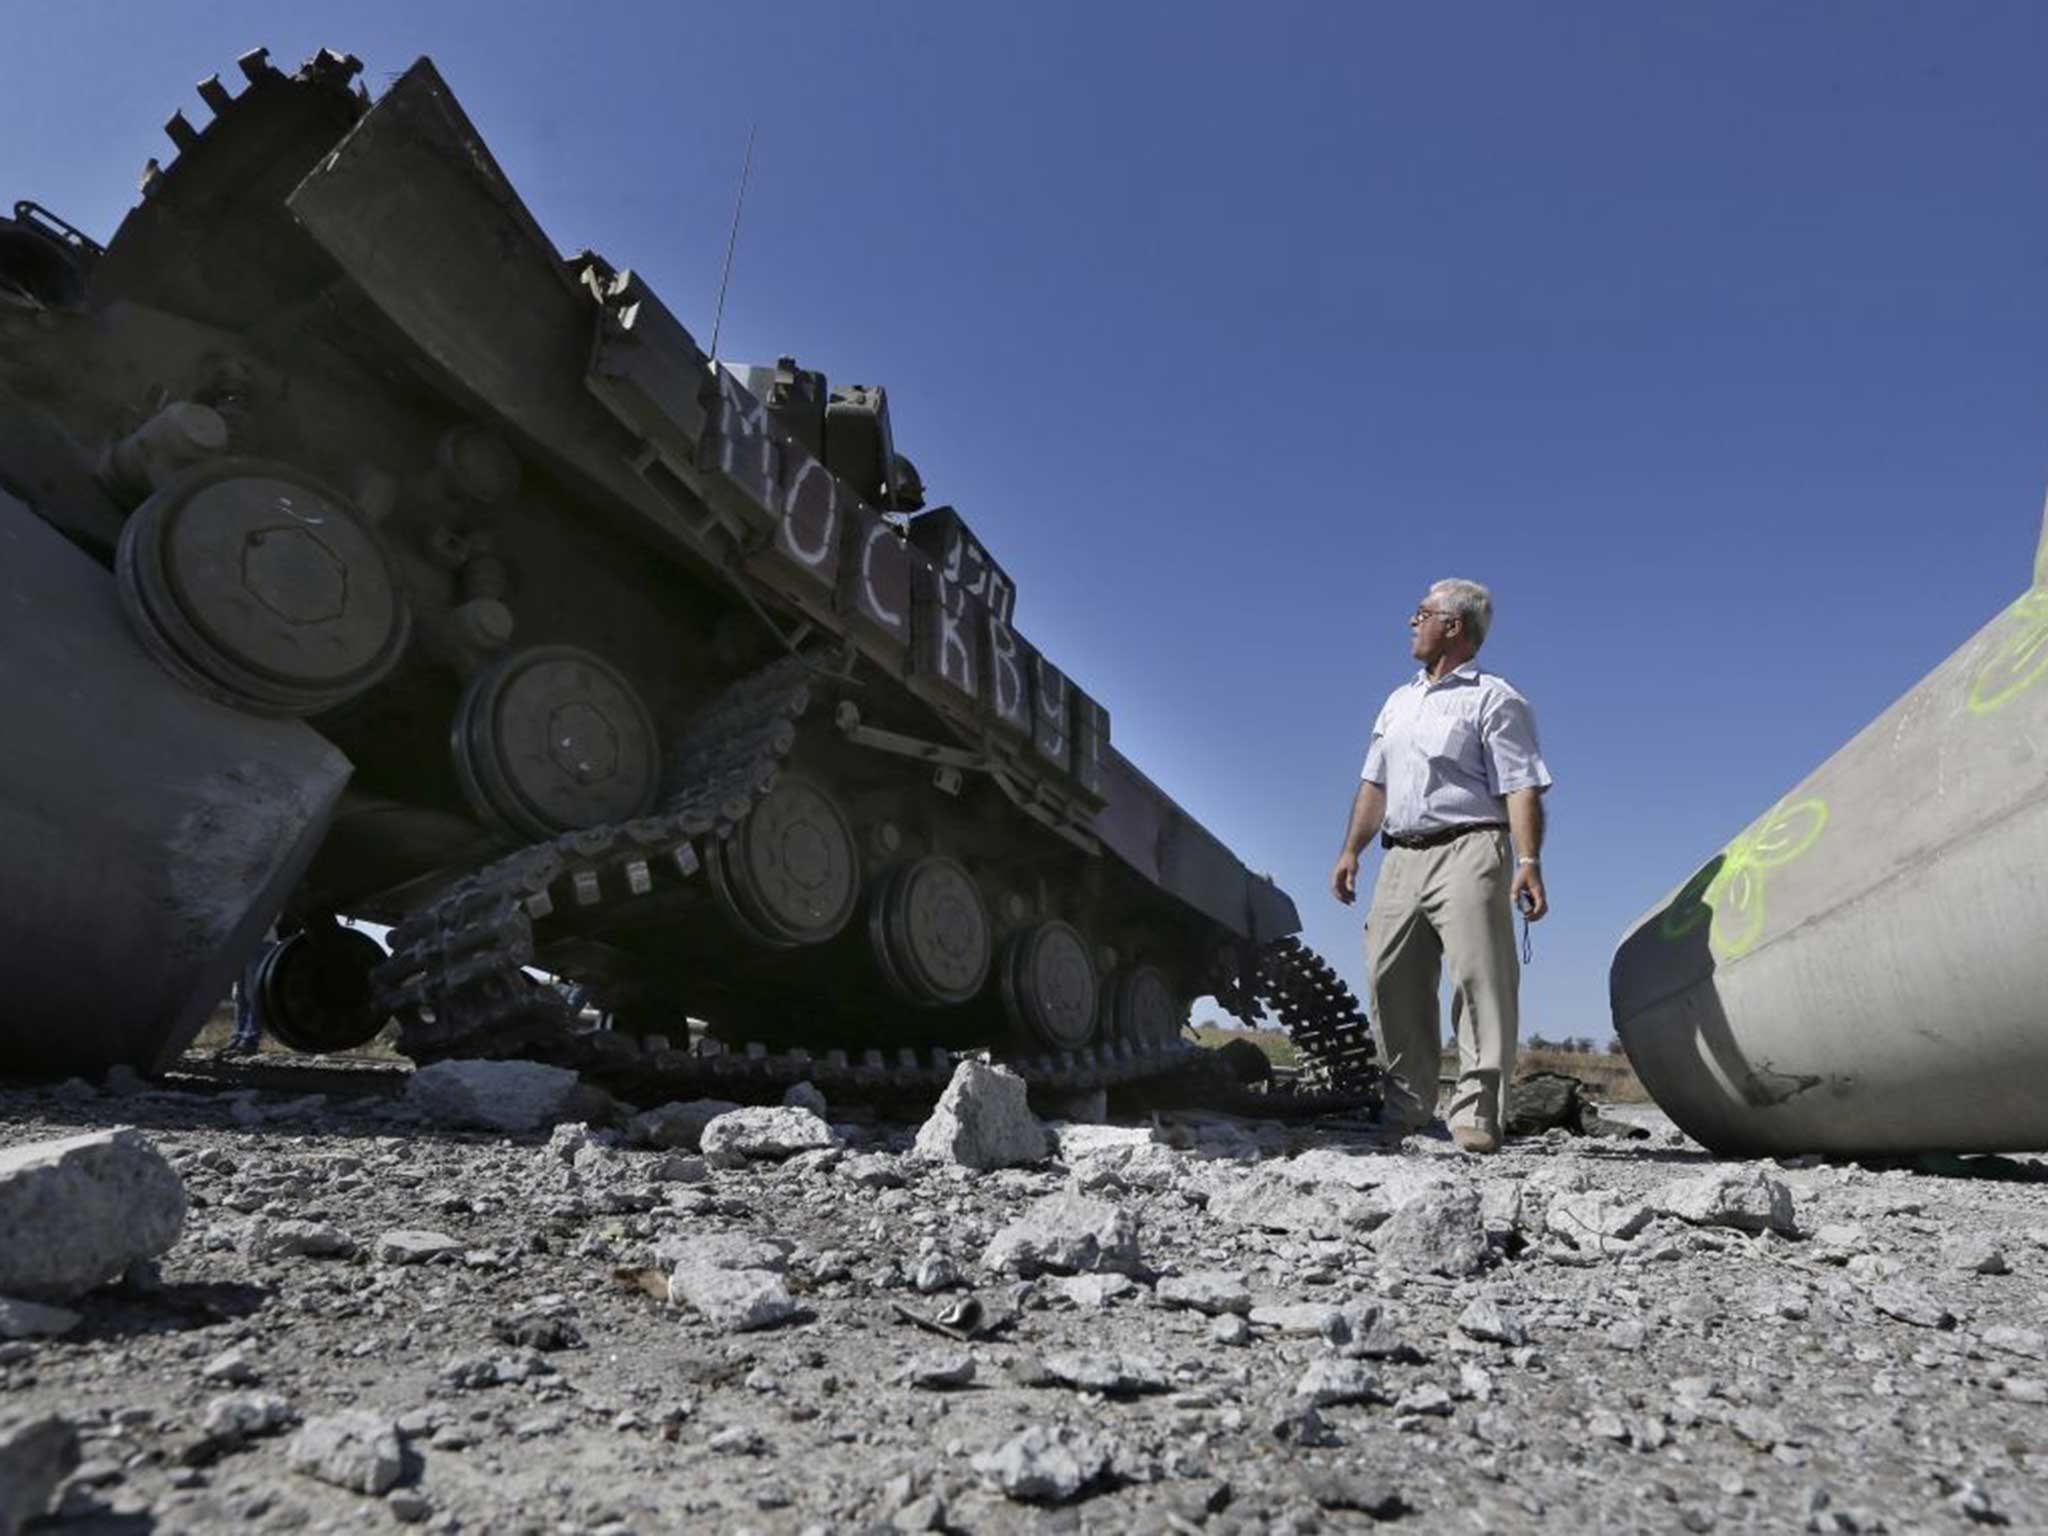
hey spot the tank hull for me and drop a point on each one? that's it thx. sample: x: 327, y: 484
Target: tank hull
x: 1864, y: 969
x: 153, y: 835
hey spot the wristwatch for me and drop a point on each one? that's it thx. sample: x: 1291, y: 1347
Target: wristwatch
x: 1528, y: 858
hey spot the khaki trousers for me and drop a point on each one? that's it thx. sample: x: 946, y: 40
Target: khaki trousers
x: 1430, y: 905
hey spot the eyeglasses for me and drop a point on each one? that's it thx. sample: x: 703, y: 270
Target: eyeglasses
x: 1431, y: 613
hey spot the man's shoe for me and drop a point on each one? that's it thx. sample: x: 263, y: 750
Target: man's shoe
x: 1475, y: 1138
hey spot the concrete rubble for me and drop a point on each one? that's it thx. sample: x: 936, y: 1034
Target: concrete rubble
x: 1191, y: 1324
x: 75, y: 1213
x: 982, y: 1122
x: 510, y: 1096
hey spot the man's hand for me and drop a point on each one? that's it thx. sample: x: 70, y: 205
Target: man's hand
x: 1527, y: 892
x: 1344, y: 878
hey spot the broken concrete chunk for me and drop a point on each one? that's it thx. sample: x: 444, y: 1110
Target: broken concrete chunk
x: 403, y: 1247
x: 1045, y: 1464
x: 1092, y: 1290
x: 982, y: 1121
x: 763, y: 1134
x: 1596, y: 1218
x: 1105, y: 1371
x: 1066, y: 1233
x: 510, y: 1096
x: 263, y: 1239
x: 1439, y: 1232
x: 356, y: 1450
x: 1484, y: 1320
x: 1332, y: 1381
x: 1271, y: 1201
x: 733, y: 1300
x: 75, y: 1213
x: 1206, y: 1290
x: 1742, y: 1197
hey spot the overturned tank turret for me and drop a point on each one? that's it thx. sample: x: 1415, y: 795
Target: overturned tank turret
x: 656, y: 681
x: 1863, y: 969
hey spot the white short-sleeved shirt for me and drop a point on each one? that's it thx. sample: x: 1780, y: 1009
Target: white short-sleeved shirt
x: 1448, y: 751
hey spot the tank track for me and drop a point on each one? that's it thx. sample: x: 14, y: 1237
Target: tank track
x: 456, y: 975
x: 1322, y: 1016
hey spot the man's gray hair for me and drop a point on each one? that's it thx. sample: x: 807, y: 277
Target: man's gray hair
x: 1470, y: 603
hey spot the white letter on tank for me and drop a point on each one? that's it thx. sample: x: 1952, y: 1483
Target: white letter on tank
x: 1002, y: 649
x: 884, y: 614
x: 810, y: 557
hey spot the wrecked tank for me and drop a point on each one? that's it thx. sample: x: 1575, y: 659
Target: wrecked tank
x: 658, y: 683
x: 1862, y: 970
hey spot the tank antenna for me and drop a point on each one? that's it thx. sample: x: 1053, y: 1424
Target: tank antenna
x: 732, y: 239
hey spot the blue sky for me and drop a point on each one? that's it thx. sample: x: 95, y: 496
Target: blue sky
x: 1712, y: 337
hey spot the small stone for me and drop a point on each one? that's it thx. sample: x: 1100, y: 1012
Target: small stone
x: 1066, y: 1233
x: 263, y: 1239
x: 872, y: 1170
x: 230, y: 1368
x: 34, y: 1320
x: 733, y: 1300
x: 1104, y: 1371
x: 407, y: 1247
x: 1427, y: 1398
x: 936, y: 1272
x: 408, y: 1506
x: 1306, y: 1317
x: 1628, y: 1335
x: 940, y: 1371
x: 356, y: 1450
x: 1911, y: 1305
x: 739, y: 1440
x: 1093, y: 1291
x: 1230, y: 1329
x: 1485, y: 1321
x: 245, y: 1415
x: 982, y: 1121
x: 1045, y: 1464
x: 1607, y: 1425
x: 1974, y: 1253
x: 1331, y: 1381
x: 1210, y: 1291
x: 1439, y: 1232
x: 678, y: 1168
x: 763, y: 1134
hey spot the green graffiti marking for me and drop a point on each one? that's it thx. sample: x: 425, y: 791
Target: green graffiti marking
x: 2022, y: 660
x: 1729, y: 891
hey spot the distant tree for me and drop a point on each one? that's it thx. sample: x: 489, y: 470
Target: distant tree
x: 1583, y: 1044
x: 1541, y: 1043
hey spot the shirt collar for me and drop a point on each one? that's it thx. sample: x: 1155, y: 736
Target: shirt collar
x: 1468, y: 672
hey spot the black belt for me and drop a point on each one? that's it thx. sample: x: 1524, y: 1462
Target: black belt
x: 1441, y: 836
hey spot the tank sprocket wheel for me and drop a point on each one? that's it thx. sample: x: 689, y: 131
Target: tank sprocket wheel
x: 789, y: 875
x: 928, y: 929
x: 1049, y: 985
x: 313, y: 991
x: 258, y: 586
x: 554, y: 739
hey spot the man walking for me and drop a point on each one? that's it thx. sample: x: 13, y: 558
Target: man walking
x: 1452, y: 773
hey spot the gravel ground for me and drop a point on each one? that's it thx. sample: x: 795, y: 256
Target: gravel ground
x: 371, y: 1320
